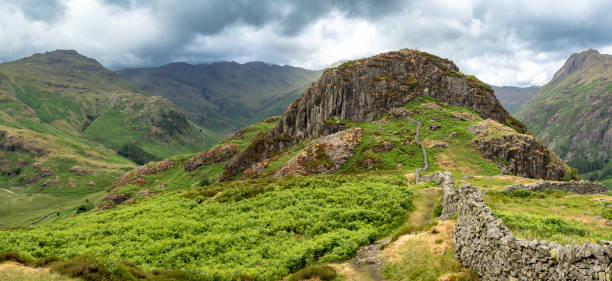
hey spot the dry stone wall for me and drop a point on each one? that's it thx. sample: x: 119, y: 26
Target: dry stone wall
x: 581, y: 187
x: 485, y: 245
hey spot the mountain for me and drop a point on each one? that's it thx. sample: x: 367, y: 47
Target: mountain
x: 513, y: 98
x: 64, y: 122
x: 224, y: 96
x: 573, y: 114
x: 376, y: 172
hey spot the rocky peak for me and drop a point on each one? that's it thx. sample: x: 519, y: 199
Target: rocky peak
x: 363, y: 90
x: 576, y: 62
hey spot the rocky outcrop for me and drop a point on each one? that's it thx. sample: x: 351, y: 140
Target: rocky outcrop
x: 486, y: 246
x: 214, y: 155
x: 327, y: 155
x: 137, y: 175
x: 363, y: 91
x: 518, y: 153
x: 10, y: 142
x: 580, y: 187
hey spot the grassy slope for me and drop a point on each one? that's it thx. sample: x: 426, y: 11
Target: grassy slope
x: 177, y: 178
x: 71, y: 93
x: 79, y: 112
x: 557, y: 216
x: 225, y: 96
x: 565, y: 106
x: 267, y: 228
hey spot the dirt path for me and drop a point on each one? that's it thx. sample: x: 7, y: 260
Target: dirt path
x: 420, y: 143
x: 10, y: 192
x: 367, y: 265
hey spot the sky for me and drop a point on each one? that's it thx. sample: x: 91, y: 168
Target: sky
x: 502, y: 42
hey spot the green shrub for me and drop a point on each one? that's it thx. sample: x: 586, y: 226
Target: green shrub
x: 85, y: 207
x: 521, y: 193
x: 136, y: 154
x: 437, y: 210
x: 607, y: 214
x: 261, y: 229
x: 322, y: 272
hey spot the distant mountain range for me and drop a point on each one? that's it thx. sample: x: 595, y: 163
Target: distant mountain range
x: 224, y: 96
x: 513, y: 98
x: 573, y: 114
x: 69, y: 126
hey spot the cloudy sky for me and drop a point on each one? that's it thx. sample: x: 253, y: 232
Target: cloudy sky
x: 520, y: 42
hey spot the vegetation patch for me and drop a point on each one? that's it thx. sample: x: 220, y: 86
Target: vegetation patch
x: 265, y: 236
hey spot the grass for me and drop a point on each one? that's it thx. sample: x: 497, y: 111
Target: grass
x: 23, y: 209
x: 553, y: 215
x: 266, y: 235
x: 418, y: 263
x: 407, y: 154
x: 176, y: 178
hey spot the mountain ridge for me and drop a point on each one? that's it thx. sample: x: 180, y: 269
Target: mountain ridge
x: 224, y: 96
x: 572, y: 114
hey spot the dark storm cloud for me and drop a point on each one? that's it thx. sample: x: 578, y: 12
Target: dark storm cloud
x: 43, y: 10
x: 210, y: 17
x: 515, y: 42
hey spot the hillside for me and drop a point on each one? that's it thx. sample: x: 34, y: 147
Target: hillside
x: 336, y: 189
x: 513, y: 98
x: 573, y: 114
x: 64, y: 122
x: 224, y: 96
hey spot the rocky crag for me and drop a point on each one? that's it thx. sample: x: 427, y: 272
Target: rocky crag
x: 363, y: 91
x: 486, y: 246
x: 518, y: 153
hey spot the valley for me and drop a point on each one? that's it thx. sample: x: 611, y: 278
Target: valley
x: 325, y: 191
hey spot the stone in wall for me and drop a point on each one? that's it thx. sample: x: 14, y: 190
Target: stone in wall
x: 581, y: 187
x: 486, y: 246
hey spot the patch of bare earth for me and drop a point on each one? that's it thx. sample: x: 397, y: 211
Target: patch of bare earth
x: 17, y: 272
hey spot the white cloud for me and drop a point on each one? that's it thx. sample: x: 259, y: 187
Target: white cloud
x: 502, y: 42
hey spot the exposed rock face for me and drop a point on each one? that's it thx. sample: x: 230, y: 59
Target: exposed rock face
x: 486, y: 246
x: 136, y: 176
x: 213, y: 155
x: 366, y: 89
x: 521, y: 154
x: 328, y: 155
x: 581, y: 187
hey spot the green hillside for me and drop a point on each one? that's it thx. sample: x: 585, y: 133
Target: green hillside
x: 340, y: 205
x: 224, y: 96
x: 69, y: 127
x: 265, y: 228
x: 573, y: 114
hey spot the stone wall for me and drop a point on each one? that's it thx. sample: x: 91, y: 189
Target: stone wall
x: 581, y: 187
x: 485, y: 245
